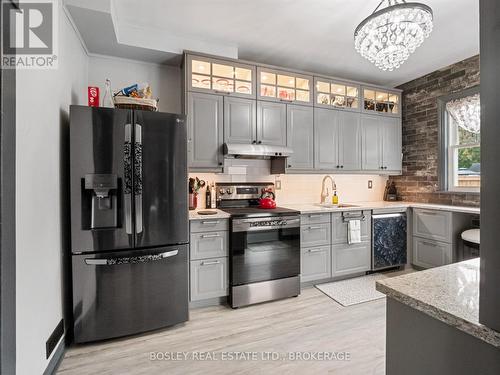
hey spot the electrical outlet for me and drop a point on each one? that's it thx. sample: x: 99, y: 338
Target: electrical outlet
x: 370, y: 184
x: 277, y: 184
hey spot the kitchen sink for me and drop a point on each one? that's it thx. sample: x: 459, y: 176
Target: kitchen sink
x: 329, y: 205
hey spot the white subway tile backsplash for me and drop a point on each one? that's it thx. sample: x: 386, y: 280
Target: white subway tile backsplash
x: 299, y: 188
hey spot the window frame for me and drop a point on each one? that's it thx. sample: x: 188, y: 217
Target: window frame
x: 446, y: 150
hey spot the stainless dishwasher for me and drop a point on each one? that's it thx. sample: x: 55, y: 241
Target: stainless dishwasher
x: 389, y: 240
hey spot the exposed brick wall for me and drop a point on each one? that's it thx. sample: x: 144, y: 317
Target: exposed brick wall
x: 419, y: 181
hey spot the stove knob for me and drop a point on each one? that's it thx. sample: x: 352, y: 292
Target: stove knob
x: 221, y: 191
x: 229, y: 191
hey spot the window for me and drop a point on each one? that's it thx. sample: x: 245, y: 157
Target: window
x: 461, y: 141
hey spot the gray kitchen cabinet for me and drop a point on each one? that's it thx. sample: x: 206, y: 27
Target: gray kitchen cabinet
x: 392, y: 156
x: 326, y: 130
x: 219, y: 76
x: 429, y: 253
x: 208, y: 245
x: 350, y: 259
x: 315, y: 235
x: 339, y: 226
x: 284, y: 86
x: 349, y: 141
x: 371, y: 143
x: 315, y: 263
x: 381, y: 143
x: 271, y: 123
x: 205, y: 131
x: 433, y: 224
x: 208, y: 278
x: 300, y: 137
x: 436, y: 236
x: 240, y: 120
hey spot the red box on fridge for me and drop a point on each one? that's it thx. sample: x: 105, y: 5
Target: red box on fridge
x: 93, y: 96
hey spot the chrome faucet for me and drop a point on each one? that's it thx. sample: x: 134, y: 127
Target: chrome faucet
x: 323, y: 193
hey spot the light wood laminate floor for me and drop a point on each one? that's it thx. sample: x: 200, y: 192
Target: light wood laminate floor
x: 311, y: 322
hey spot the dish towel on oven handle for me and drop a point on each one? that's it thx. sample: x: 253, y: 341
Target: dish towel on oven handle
x: 354, y: 231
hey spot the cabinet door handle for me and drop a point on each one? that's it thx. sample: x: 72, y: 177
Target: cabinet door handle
x: 259, y: 142
x: 315, y: 228
x: 210, y: 222
x: 210, y: 235
x: 313, y: 215
x: 209, y: 263
x: 314, y: 250
x: 338, y: 166
x: 431, y: 213
x: 341, y: 166
x: 254, y: 142
x: 430, y: 244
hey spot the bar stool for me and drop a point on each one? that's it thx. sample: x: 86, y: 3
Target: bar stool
x: 471, y: 241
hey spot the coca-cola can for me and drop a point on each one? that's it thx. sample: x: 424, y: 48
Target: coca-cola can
x: 93, y: 96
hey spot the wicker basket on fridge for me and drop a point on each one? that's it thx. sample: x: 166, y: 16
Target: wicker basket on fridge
x: 126, y: 102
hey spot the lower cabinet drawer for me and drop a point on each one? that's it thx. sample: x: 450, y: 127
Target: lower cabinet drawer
x: 430, y: 253
x: 350, y: 259
x: 315, y: 263
x: 208, y: 245
x: 209, y: 278
x: 209, y: 225
x: 306, y: 219
x: 315, y: 235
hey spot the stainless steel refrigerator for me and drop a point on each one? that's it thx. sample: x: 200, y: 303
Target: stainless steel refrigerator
x: 129, y: 221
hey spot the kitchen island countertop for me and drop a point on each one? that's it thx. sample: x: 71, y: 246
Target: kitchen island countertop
x: 449, y: 294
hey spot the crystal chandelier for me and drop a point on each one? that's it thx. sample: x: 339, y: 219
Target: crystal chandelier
x: 466, y: 112
x: 389, y: 35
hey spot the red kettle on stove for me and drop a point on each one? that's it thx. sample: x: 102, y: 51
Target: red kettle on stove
x: 267, y: 199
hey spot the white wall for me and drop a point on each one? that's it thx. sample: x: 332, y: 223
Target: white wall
x: 165, y: 80
x: 43, y: 98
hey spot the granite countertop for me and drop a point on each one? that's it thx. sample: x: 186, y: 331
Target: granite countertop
x: 194, y: 215
x: 309, y: 208
x: 449, y: 294
x: 312, y: 208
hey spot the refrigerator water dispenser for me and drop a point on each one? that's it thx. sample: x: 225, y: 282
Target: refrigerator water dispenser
x: 102, y: 189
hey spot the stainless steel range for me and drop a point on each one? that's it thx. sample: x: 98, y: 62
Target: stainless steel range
x: 264, y: 249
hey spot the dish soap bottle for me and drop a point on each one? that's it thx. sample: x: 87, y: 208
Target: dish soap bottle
x: 335, y: 198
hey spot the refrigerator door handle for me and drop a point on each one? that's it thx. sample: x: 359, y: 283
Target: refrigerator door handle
x: 127, y: 163
x: 130, y: 260
x: 138, y: 178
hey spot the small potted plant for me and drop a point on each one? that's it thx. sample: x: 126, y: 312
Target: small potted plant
x: 195, y: 184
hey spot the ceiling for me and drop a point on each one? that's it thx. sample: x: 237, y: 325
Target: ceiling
x: 315, y: 36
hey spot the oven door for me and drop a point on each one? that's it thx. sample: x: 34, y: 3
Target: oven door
x: 264, y: 249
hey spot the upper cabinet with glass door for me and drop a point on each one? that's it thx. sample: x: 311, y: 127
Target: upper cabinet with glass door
x: 282, y: 86
x: 381, y: 101
x: 336, y: 94
x: 220, y: 76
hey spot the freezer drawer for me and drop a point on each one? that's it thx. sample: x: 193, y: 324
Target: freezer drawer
x: 128, y: 292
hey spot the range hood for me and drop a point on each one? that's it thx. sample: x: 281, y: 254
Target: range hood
x: 252, y: 151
